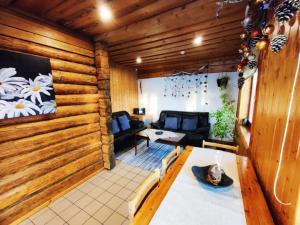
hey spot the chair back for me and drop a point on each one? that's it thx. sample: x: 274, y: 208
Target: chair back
x: 146, y: 187
x: 223, y: 146
x: 167, y: 161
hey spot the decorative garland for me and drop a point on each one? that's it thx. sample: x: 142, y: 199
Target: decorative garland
x: 257, y: 31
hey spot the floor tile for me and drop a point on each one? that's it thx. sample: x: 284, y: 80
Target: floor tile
x: 130, y: 175
x: 115, y: 219
x: 104, y: 197
x: 114, y: 203
x: 124, y: 193
x: 86, y: 187
x: 96, y: 192
x: 56, y: 221
x: 60, y: 205
x: 75, y: 195
x: 44, y: 217
x: 115, y: 188
x: 123, y: 181
x: 92, y: 221
x: 84, y: 201
x: 93, y: 207
x: 105, y: 184
x: 123, y: 209
x: 102, y: 214
x: 26, y: 222
x: 68, y: 213
x: 132, y: 185
x: 79, y: 219
x: 126, y: 222
x: 139, y: 179
x: 114, y: 178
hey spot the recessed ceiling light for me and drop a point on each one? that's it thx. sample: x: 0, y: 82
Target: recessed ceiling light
x: 198, y: 40
x: 182, y: 52
x: 105, y: 13
x: 139, y: 60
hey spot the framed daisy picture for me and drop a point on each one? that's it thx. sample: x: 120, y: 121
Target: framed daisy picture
x: 26, y: 87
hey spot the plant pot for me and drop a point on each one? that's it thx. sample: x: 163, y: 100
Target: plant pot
x: 222, y: 82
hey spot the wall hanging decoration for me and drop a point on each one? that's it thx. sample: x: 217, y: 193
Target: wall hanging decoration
x: 26, y: 86
x: 287, y: 10
x: 278, y: 42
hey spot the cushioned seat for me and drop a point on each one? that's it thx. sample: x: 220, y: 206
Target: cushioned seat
x: 195, y: 125
x: 124, y: 129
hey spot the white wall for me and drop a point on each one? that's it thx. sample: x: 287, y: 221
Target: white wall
x: 152, y: 96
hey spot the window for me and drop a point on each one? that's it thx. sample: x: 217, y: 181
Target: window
x: 252, y: 98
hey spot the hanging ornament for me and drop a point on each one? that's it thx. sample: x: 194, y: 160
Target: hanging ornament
x: 287, y: 10
x: 262, y: 44
x: 252, y: 64
x: 277, y: 43
x: 269, y: 29
x: 241, y: 81
x: 253, y: 41
x: 254, y: 33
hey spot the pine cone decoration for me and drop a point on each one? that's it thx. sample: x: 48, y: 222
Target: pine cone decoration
x: 277, y: 43
x: 252, y: 64
x: 241, y: 81
x: 287, y: 10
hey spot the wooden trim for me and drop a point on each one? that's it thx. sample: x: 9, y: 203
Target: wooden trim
x: 256, y: 212
x: 218, y: 145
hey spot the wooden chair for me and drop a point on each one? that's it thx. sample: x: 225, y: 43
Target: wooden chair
x: 223, y: 146
x: 146, y: 187
x: 167, y: 162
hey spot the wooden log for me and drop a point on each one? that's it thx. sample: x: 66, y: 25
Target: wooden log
x: 104, y: 94
x: 9, y: 18
x: 17, y: 194
x: 12, y: 148
x: 13, y: 132
x: 104, y: 84
x: 16, y: 163
x: 42, y: 50
x: 37, y: 170
x: 107, y: 139
x: 15, y: 212
x: 104, y: 103
x: 107, y: 148
x: 62, y: 111
x: 76, y: 99
x: 58, y: 64
x: 73, y: 78
x: 74, y: 89
x: 43, y: 40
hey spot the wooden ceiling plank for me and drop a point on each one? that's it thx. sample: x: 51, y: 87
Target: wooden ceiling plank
x: 36, y: 7
x: 217, y: 43
x: 163, y: 22
x: 178, y: 45
x: 175, y: 32
x: 147, y: 10
x: 6, y: 2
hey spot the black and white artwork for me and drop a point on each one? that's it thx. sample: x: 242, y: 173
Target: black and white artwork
x: 26, y: 86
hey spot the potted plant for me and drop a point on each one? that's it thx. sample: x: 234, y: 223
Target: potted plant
x: 225, y: 119
x: 222, y: 82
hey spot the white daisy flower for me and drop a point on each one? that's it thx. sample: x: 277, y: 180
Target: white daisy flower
x: 46, y: 80
x: 17, y: 108
x: 35, y: 89
x: 48, y: 107
x: 9, y: 83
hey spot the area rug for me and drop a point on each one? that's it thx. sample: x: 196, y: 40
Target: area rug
x: 147, y: 158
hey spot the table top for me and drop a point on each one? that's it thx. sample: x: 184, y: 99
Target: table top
x: 255, y: 212
x: 174, y: 137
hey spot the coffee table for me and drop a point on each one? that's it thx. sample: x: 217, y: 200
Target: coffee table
x: 174, y: 138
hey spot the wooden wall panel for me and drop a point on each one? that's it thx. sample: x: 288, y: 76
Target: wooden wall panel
x: 41, y: 156
x: 275, y: 81
x: 124, y: 89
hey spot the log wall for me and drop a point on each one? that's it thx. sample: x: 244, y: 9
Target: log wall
x: 42, y: 156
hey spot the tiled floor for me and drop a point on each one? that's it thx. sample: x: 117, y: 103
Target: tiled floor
x: 103, y: 199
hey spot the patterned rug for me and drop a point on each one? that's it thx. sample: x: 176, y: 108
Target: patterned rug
x: 147, y: 158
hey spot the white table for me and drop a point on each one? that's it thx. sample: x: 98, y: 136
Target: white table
x: 189, y: 202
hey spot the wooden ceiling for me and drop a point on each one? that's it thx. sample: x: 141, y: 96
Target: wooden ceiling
x: 155, y: 30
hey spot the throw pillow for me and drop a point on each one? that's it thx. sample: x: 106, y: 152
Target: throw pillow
x: 115, y: 126
x: 171, y: 123
x: 124, y: 122
x: 189, y: 124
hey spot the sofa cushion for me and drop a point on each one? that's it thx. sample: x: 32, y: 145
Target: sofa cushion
x: 115, y: 126
x: 171, y: 123
x: 124, y: 122
x: 189, y: 123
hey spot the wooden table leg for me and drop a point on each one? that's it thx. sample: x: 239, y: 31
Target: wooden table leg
x: 147, y: 142
x: 135, y: 145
